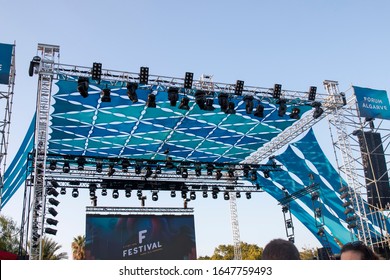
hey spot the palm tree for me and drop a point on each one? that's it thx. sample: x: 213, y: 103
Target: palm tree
x: 78, y: 247
x: 49, y: 249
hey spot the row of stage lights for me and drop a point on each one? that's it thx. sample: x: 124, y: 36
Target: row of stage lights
x: 202, y: 98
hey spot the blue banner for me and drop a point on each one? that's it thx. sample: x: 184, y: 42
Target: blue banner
x: 372, y: 103
x: 5, y: 62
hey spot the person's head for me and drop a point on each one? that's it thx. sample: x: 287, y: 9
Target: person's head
x: 357, y: 251
x: 280, y: 249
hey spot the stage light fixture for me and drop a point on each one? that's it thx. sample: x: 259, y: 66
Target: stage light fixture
x: 184, y: 172
x: 347, y: 203
x: 80, y: 163
x: 277, y: 92
x: 184, y: 103
x: 198, y: 170
x: 183, y: 194
x: 34, y: 65
x: 51, y: 231
x: 312, y: 93
x: 173, y: 95
x: 223, y: 101
x: 75, y: 192
x: 200, y: 99
x: 205, y: 194
x: 254, y: 175
x: 226, y: 196
x: 92, y: 190
x: 151, y: 103
x: 111, y: 170
x: 115, y: 193
x: 248, y: 104
x: 246, y: 170
x: 259, y: 111
x: 295, y: 113
x: 53, y: 201
x: 139, y: 194
x: 125, y: 165
x: 173, y: 193
x: 209, y: 104
x: 188, y: 79
x: 317, y: 212
x: 143, y: 75
x: 282, y: 107
x: 148, y: 172
x: 239, y: 87
x: 266, y: 173
x: 230, y: 109
x: 52, y: 211
x: 128, y: 192
x: 218, y: 174
x: 231, y: 172
x: 63, y: 191
x: 348, y: 210
x: 53, y: 165
x: 154, y: 196
x: 52, y: 191
x: 158, y: 169
x: 210, y: 168
x: 321, y: 231
x: 66, y: 167
x: 82, y: 86
x: 248, y: 195
x: 137, y: 169
x: 238, y: 195
x: 315, y: 196
x: 104, y: 192
x: 51, y: 221
x: 106, y: 95
x: 54, y: 184
x: 99, y: 166
x: 132, y: 91
x: 97, y: 71
x: 192, y: 195
x: 317, y: 109
x: 215, y: 195
x: 285, y: 209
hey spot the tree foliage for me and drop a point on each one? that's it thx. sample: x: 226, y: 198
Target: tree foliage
x: 78, y: 247
x: 9, y: 235
x: 50, y: 248
x: 226, y: 252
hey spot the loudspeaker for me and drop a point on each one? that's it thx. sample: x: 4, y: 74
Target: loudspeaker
x: 375, y: 170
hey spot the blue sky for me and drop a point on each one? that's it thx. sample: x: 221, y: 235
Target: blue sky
x: 295, y: 43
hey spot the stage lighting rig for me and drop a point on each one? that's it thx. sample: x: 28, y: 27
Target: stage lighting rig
x: 131, y: 91
x: 200, y: 99
x: 248, y: 104
x: 231, y: 109
x: 82, y: 86
x: 106, y: 95
x: 184, y: 103
x: 317, y: 109
x: 223, y: 101
x: 259, y: 111
x: 282, y: 107
x: 151, y: 103
x: 295, y: 113
x: 173, y: 95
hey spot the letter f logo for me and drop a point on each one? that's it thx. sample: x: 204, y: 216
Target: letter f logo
x: 141, y: 235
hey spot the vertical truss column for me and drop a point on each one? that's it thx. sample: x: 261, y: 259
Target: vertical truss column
x: 337, y: 121
x: 45, y: 69
x: 235, y: 227
x: 6, y: 98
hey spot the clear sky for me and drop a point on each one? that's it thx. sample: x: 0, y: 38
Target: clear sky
x: 295, y: 43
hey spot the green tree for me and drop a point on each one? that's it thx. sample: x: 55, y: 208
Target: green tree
x: 226, y: 252
x: 50, y: 248
x: 308, y: 254
x: 9, y: 235
x: 78, y: 247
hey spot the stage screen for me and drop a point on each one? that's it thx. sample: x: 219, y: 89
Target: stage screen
x: 140, y: 237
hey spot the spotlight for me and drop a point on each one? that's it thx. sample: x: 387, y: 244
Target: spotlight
x: 99, y: 166
x: 254, y: 175
x: 259, y: 111
x: 149, y: 171
x: 223, y: 101
x: 128, y: 192
x: 92, y: 190
x: 125, y: 165
x: 239, y: 87
x: 82, y: 86
x: 226, y: 196
x: 209, y: 104
x: 210, y: 168
x: 198, y: 170
x: 97, y: 71
x: 81, y: 162
x: 52, y: 211
x: 317, y: 109
x: 66, y: 167
x: 248, y: 104
x: 266, y: 173
x: 52, y: 191
x: 192, y: 195
x: 317, y: 212
x: 106, y: 95
x: 154, y: 196
x: 238, y: 195
x: 321, y: 231
x: 137, y: 169
x: 53, y: 165
x: 184, y: 103
x: 188, y: 79
x: 53, y: 201
x: 173, y: 95
x: 158, y: 169
x: 183, y: 194
x: 104, y: 192
x: 248, y: 195
x: 151, y: 103
x: 277, y: 91
x: 246, y: 170
x: 184, y: 172
x: 115, y: 194
x: 218, y: 174
x: 295, y: 113
x: 75, y: 192
x: 348, y: 210
x: 143, y: 75
x: 205, y: 194
x: 51, y: 231
x: 111, y: 170
x: 231, y: 172
x: 312, y: 93
x: 34, y: 65
x: 215, y: 195
x: 63, y: 191
x: 51, y: 221
x: 139, y: 194
x: 131, y: 91
x: 173, y: 193
x: 231, y: 109
x: 200, y: 99
x: 282, y: 107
